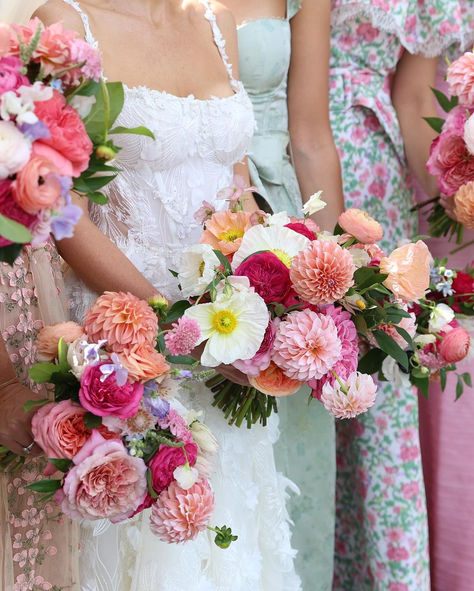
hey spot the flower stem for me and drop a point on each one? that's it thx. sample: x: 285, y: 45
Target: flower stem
x: 425, y: 203
x: 462, y: 247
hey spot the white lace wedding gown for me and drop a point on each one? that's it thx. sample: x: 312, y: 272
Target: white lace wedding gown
x: 150, y: 218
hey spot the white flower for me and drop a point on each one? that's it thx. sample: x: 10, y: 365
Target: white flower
x: 36, y: 93
x: 439, y: 317
x: 198, y: 264
x: 325, y: 235
x: 204, y: 437
x: 281, y: 241
x: 233, y: 327
x: 392, y: 372
x: 360, y: 257
x: 237, y: 283
x: 278, y: 219
x: 424, y: 339
x: 81, y: 353
x: 204, y: 466
x: 83, y: 104
x: 314, y: 204
x: 186, y: 476
x: 15, y: 149
x: 469, y: 133
x: 168, y: 388
x: 13, y: 106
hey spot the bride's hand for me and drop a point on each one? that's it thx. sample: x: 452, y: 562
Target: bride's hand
x: 228, y: 371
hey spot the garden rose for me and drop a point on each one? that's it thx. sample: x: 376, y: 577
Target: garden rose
x: 464, y: 205
x: 15, y: 149
x: 455, y: 121
x: 460, y: 77
x: 49, y: 336
x: 267, y: 275
x: 408, y: 269
x: 10, y: 209
x: 362, y: 226
x: 462, y: 284
x: 143, y: 362
x: 104, y: 398
x: 273, y: 382
x: 455, y: 345
x: 165, y: 462
x: 451, y: 162
x: 10, y: 77
x: 37, y: 186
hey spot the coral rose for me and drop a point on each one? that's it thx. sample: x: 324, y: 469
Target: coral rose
x: 68, y: 134
x: 273, y: 382
x: 225, y: 229
x: 166, y: 460
x: 355, y: 397
x: 322, y: 273
x: 10, y: 77
x: 37, y: 186
x: 106, y: 482
x: 143, y: 362
x: 10, y: 209
x: 464, y: 205
x: 49, y: 337
x: 267, y: 275
x: 408, y: 269
x: 460, y: 77
x: 122, y: 319
x: 455, y: 345
x: 59, y: 429
x: 105, y: 397
x: 361, y: 225
x: 179, y: 515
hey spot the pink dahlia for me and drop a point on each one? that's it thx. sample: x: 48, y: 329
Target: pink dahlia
x: 355, y: 397
x: 306, y: 345
x: 359, y: 224
x: 183, y: 337
x: 179, y: 515
x: 460, y: 78
x: 322, y: 273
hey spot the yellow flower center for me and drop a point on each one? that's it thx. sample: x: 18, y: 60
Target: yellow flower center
x: 224, y: 321
x: 201, y: 268
x: 231, y: 235
x: 361, y: 304
x: 283, y: 256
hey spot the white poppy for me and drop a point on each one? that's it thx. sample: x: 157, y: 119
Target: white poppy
x: 314, y: 204
x: 198, y: 265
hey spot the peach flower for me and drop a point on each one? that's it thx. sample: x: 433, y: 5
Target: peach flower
x: 322, y: 273
x: 37, y: 186
x: 361, y: 225
x: 122, y: 319
x: 455, y: 345
x: 460, y: 78
x: 353, y: 398
x: 225, y: 229
x: 179, y: 515
x: 273, y: 382
x: 408, y: 269
x: 49, y: 336
x: 464, y: 205
x: 143, y: 362
x: 4, y: 39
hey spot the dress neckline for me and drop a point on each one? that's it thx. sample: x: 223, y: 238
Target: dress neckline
x: 249, y: 21
x: 137, y: 89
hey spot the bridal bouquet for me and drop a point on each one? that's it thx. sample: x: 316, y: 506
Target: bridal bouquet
x: 55, y: 120
x: 115, y: 430
x: 452, y: 153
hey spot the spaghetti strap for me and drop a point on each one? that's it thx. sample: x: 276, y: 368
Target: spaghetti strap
x: 85, y: 21
x: 220, y: 43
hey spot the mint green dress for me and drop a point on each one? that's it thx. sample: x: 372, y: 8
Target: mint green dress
x: 305, y: 451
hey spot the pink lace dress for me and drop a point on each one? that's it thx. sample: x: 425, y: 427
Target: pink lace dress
x: 38, y: 545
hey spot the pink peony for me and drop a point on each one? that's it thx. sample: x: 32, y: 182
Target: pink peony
x: 183, y: 337
x: 464, y: 205
x: 10, y: 209
x: 306, y: 345
x: 122, y: 319
x: 143, y: 362
x: 49, y: 337
x: 455, y: 345
x: 322, y: 273
x: 37, y: 186
x: 460, y: 78
x: 359, y: 224
x: 106, y: 482
x: 105, y: 397
x: 268, y: 276
x: 10, y: 77
x: 408, y: 269
x: 179, y: 515
x: 261, y: 360
x: 166, y: 460
x: 354, y: 398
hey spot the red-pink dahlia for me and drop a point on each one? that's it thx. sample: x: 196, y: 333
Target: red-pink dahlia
x: 354, y: 397
x: 322, y: 273
x: 183, y: 337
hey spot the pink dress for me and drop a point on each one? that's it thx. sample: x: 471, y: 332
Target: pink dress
x: 38, y: 545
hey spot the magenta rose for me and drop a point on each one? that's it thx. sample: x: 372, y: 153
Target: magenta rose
x: 301, y: 228
x: 10, y: 209
x: 10, y: 77
x: 105, y: 483
x: 105, y: 398
x: 261, y: 360
x: 267, y: 275
x: 165, y: 462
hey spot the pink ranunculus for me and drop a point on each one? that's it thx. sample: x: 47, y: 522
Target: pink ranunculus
x: 362, y: 226
x: 68, y: 134
x: 166, y: 460
x: 37, y: 186
x: 455, y: 345
x: 10, y: 77
x: 105, y: 483
x: 49, y: 337
x: 261, y: 360
x: 267, y: 275
x: 460, y: 78
x: 10, y: 209
x: 105, y: 398
x: 59, y: 429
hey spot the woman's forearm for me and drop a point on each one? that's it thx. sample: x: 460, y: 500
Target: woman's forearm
x: 7, y: 371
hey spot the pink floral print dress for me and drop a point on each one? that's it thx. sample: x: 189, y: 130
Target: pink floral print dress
x: 38, y: 545
x: 381, y: 531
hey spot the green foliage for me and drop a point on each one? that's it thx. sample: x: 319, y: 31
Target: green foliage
x: 9, y: 254
x: 176, y: 311
x: 371, y: 362
x: 423, y: 385
x: 108, y: 105
x: 224, y: 261
x: 389, y: 346
x: 92, y: 421
x: 13, y: 231
x: 446, y: 103
x: 63, y: 465
x: 140, y: 130
x: 45, y: 486
x: 41, y: 373
x: 34, y: 404
x: 435, y: 123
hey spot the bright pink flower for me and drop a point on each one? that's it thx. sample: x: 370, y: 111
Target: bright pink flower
x: 460, y: 78
x: 362, y: 226
x: 355, y: 397
x: 179, y: 515
x: 451, y: 161
x: 267, y: 275
x: 261, y: 360
x: 301, y: 228
x: 177, y: 425
x: 10, y: 209
x: 306, y: 345
x: 455, y: 121
x: 455, y: 345
x: 166, y: 460
x: 104, y: 398
x: 10, y: 77
x: 183, y: 337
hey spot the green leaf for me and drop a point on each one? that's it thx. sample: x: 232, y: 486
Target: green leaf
x: 224, y: 261
x: 459, y: 388
x: 89, y: 89
x: 174, y: 273
x: 45, y: 486
x: 42, y: 372
x: 61, y: 464
x: 63, y: 366
x: 389, y: 346
x: 180, y: 359
x: 444, y: 102
x: 367, y: 276
x: 423, y: 385
x: 13, y: 231
x: 371, y: 362
x: 467, y: 379
x: 443, y: 378
x: 96, y: 121
x: 92, y: 421
x: 160, y: 344
x: 141, y: 130
x: 90, y: 184
x: 30, y: 404
x: 9, y: 254
x: 435, y: 123
x: 338, y: 230
x: 97, y: 197
x: 149, y: 481
x: 403, y: 333
x: 176, y: 311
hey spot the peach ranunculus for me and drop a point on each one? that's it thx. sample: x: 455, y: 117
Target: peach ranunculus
x: 122, y: 319
x: 464, y: 205
x: 143, y: 362
x: 225, y: 229
x: 49, y: 336
x: 408, y: 269
x: 59, y: 429
x: 37, y: 186
x: 455, y: 345
x: 273, y: 382
x: 361, y: 225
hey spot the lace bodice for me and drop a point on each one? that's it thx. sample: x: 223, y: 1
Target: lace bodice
x: 164, y: 181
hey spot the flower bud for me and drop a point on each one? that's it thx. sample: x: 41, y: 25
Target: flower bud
x: 105, y: 152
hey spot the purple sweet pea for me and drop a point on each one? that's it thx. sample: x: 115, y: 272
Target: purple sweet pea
x: 121, y: 373
x: 35, y: 131
x: 62, y: 225
x: 154, y: 403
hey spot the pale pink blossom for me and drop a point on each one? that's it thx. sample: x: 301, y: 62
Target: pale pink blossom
x: 183, y: 336
x: 354, y: 397
x: 205, y: 212
x: 235, y: 192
